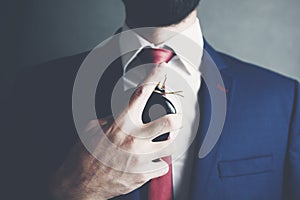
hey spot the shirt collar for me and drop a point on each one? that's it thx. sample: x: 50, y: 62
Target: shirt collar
x: 187, y: 45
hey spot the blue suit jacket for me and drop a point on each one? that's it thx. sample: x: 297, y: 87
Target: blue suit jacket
x: 256, y: 158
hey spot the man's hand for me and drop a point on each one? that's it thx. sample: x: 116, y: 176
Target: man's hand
x: 104, y: 173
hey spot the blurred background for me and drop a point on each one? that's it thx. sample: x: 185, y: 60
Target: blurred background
x: 263, y: 32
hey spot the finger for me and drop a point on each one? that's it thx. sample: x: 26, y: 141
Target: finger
x: 160, y: 168
x: 98, y: 123
x: 158, y: 150
x: 145, y: 89
x: 167, y: 123
x: 165, y: 151
x: 155, y: 150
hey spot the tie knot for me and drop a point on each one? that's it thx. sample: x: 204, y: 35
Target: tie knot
x: 157, y: 56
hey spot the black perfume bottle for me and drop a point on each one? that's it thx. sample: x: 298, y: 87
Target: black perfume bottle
x: 158, y: 97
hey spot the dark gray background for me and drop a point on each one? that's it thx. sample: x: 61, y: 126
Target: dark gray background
x: 264, y: 32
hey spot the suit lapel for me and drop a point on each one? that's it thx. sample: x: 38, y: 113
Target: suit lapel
x: 205, y: 169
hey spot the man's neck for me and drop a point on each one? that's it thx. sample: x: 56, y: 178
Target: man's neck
x: 158, y: 35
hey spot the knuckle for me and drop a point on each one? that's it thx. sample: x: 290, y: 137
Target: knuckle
x: 134, y: 161
x: 142, y: 178
x: 124, y: 190
x: 175, y: 122
x: 113, y: 137
x: 140, y: 91
x: 127, y: 142
x: 170, y: 122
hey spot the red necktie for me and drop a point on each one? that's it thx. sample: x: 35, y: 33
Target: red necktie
x: 160, y: 188
x: 157, y: 56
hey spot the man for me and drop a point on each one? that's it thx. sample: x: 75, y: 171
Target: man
x: 256, y: 157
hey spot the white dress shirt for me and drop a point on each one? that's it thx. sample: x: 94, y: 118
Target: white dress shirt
x: 185, y: 76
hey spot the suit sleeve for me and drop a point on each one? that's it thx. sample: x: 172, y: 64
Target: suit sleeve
x: 292, y: 170
x: 25, y: 176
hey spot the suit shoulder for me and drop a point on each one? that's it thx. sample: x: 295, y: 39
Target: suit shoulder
x: 255, y: 74
x: 56, y: 76
x: 54, y: 71
x: 57, y: 66
x: 263, y: 84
